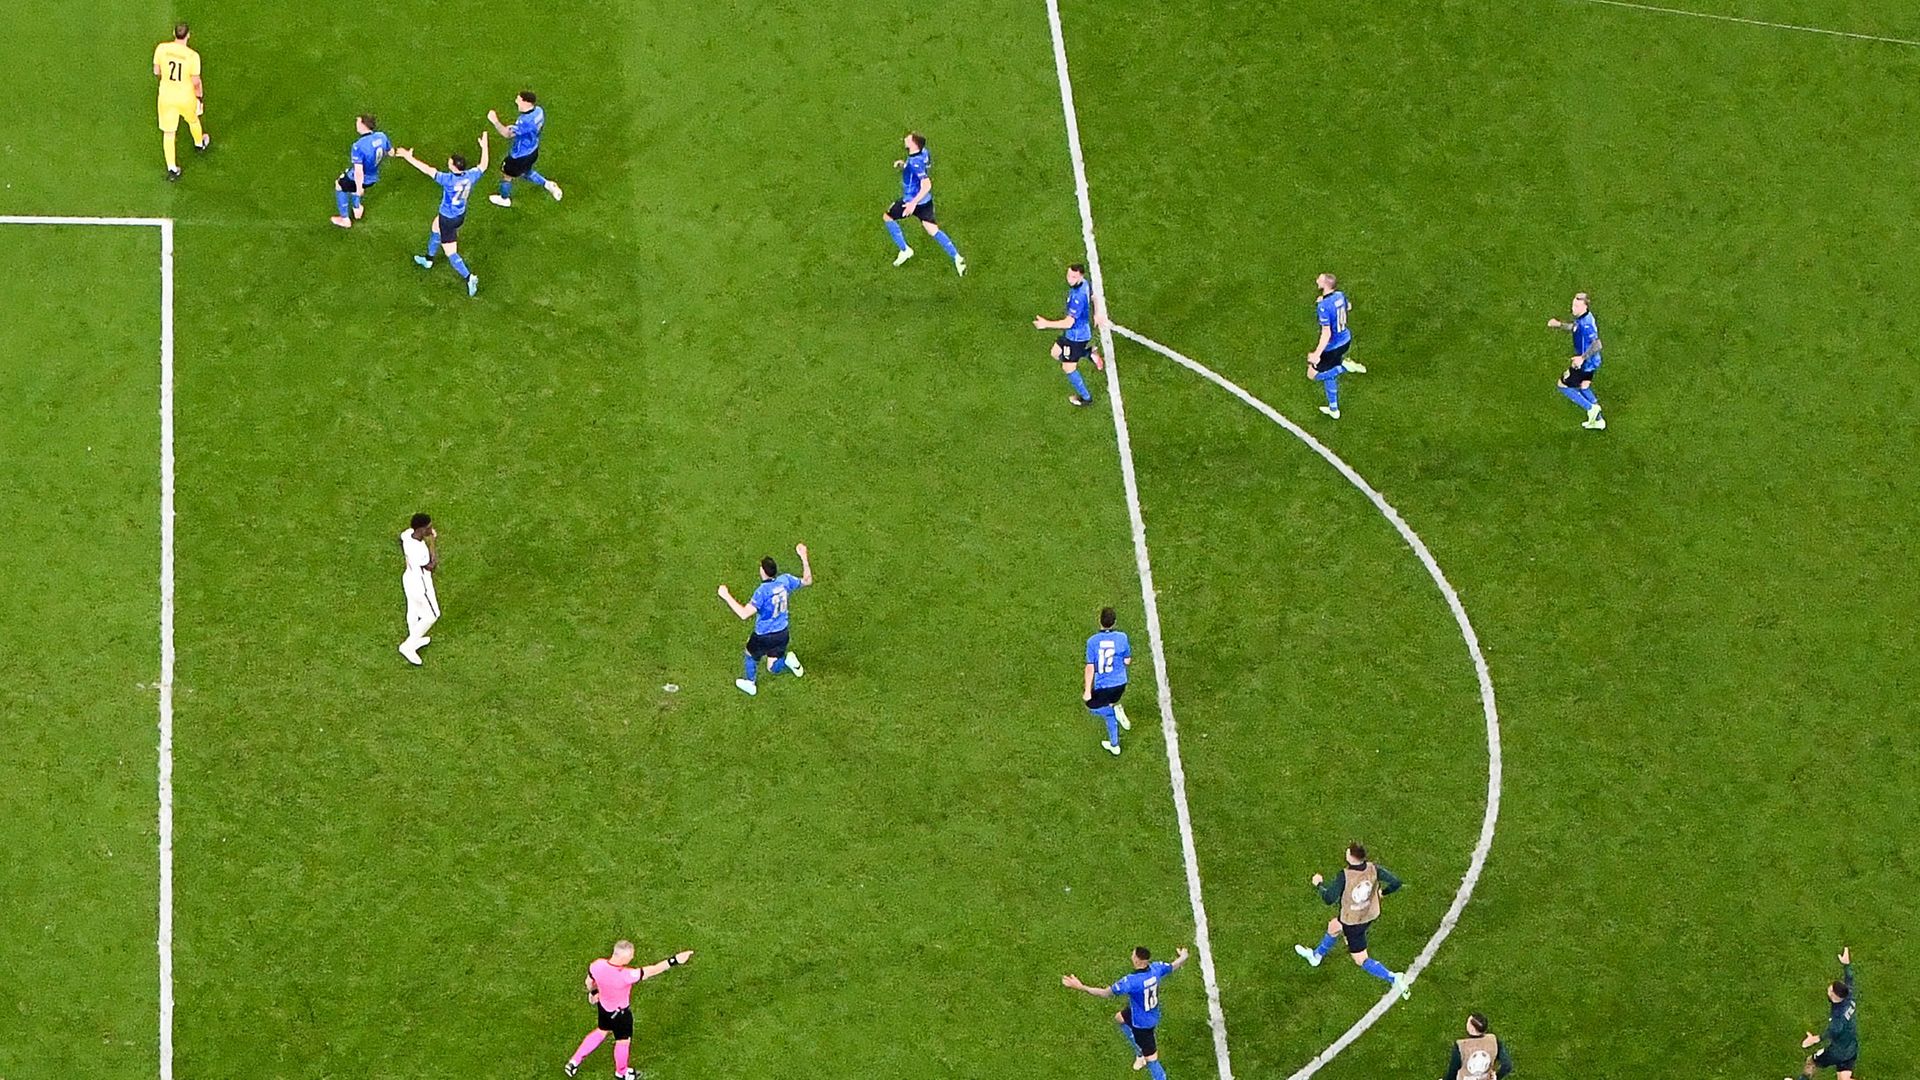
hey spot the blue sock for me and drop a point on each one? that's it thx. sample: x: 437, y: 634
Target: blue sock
x: 1154, y: 1070
x: 1127, y: 1034
x: 780, y: 665
x: 340, y: 200
x: 1575, y: 396
x: 750, y: 667
x: 1592, y: 402
x: 899, y: 238
x: 536, y: 179
x: 1331, y: 383
x: 940, y: 237
x: 1079, y: 384
x: 506, y: 187
x: 459, y: 266
x: 1105, y: 712
x: 433, y: 244
x: 1377, y: 969
x: 1326, y: 945
x: 356, y: 201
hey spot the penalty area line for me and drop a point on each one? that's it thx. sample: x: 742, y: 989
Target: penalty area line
x: 1489, y: 707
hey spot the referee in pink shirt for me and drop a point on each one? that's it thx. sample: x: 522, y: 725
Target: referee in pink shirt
x: 610, y: 988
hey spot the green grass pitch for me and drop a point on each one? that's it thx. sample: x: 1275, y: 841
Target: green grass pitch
x: 1700, y: 622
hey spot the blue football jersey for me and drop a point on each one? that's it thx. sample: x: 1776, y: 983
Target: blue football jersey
x: 526, y: 131
x: 915, y: 170
x: 1142, y: 991
x: 1585, y: 333
x: 369, y: 150
x: 454, y: 189
x: 1108, y: 651
x: 770, y: 603
x: 1080, y: 310
x: 1333, y: 315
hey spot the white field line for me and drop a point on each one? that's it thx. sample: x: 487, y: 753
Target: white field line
x: 1754, y: 22
x: 1487, y: 822
x: 164, y: 940
x: 1202, y: 941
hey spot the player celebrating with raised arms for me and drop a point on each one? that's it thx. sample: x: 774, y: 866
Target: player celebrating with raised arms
x: 363, y: 169
x: 1075, y: 343
x: 182, y: 97
x: 1842, y: 1036
x: 1328, y: 360
x: 916, y: 200
x: 456, y: 186
x: 1577, y: 383
x: 610, y: 983
x: 1109, y: 654
x: 1357, y: 889
x: 524, y: 149
x: 420, y: 549
x: 1139, y: 1019
x: 768, y: 610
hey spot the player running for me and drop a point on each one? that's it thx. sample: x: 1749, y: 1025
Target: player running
x: 1108, y: 656
x: 524, y: 150
x: 1357, y: 889
x: 1479, y: 1056
x: 420, y: 548
x: 768, y: 610
x: 456, y: 186
x: 363, y: 170
x: 182, y: 97
x: 610, y: 990
x: 1842, y: 1036
x: 1076, y: 340
x: 1577, y: 383
x: 1139, y: 1019
x: 916, y: 200
x: 1328, y: 360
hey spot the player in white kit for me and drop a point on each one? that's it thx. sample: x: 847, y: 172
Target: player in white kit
x: 423, y: 607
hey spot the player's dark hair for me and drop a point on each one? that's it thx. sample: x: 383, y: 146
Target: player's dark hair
x: 459, y: 163
x: 367, y: 119
x: 1078, y: 268
x: 1477, y: 1023
x: 1357, y: 850
x: 527, y: 96
x: 769, y: 567
x: 1106, y: 618
x: 1841, y: 990
x: 180, y: 31
x: 421, y: 521
x: 1142, y: 953
x: 919, y: 140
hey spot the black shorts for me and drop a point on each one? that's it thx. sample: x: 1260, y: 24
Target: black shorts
x: 899, y: 210
x: 346, y: 184
x: 1577, y: 378
x: 1825, y: 1060
x: 763, y: 645
x: 1072, y: 352
x: 618, y: 1023
x: 520, y: 166
x: 449, y: 227
x: 1356, y: 935
x: 1105, y: 695
x: 1145, y: 1038
x: 1331, y: 359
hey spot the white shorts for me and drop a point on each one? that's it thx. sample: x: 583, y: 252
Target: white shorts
x: 421, y: 601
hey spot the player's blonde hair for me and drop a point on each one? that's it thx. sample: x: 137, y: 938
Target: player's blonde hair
x: 623, y: 945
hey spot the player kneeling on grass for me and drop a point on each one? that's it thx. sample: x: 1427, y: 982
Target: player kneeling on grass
x: 363, y: 171
x: 768, y: 610
x: 1357, y: 889
x: 456, y: 187
x: 610, y: 991
x: 1842, y: 1036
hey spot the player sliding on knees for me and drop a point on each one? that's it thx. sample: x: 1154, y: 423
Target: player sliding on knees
x: 1357, y: 889
x: 363, y: 172
x: 916, y: 200
x: 768, y: 610
x: 524, y: 150
x: 456, y: 187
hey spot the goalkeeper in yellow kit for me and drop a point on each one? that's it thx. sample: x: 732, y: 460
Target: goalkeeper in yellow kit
x: 177, y: 67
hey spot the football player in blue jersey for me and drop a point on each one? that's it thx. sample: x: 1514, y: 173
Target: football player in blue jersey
x: 916, y: 200
x: 1328, y: 360
x: 456, y: 187
x: 768, y: 610
x: 363, y: 170
x: 1139, y: 1019
x: 1577, y: 383
x: 1108, y: 656
x: 524, y: 136
x: 1075, y: 342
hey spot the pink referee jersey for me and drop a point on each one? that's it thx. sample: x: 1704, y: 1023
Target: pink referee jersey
x: 614, y: 983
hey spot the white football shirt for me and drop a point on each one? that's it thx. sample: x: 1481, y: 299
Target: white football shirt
x: 415, y: 551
